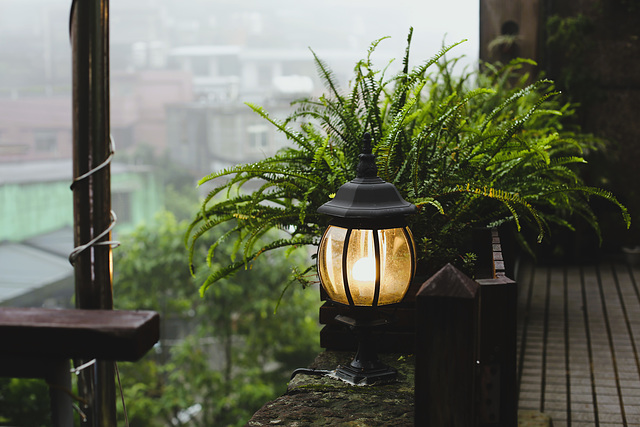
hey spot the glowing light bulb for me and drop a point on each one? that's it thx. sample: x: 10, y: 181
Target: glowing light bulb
x: 364, y: 270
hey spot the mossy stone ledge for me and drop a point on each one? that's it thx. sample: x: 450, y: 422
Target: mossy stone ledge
x: 323, y: 401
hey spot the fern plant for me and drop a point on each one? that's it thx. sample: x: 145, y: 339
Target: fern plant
x: 476, y: 150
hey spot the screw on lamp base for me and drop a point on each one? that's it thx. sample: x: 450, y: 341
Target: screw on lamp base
x: 365, y: 368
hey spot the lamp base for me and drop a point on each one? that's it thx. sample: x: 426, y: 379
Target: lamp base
x: 360, y: 376
x: 365, y: 368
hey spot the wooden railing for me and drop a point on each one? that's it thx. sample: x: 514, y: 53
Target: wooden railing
x: 38, y: 343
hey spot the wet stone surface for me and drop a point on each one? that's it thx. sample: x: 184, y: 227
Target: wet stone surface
x: 323, y: 401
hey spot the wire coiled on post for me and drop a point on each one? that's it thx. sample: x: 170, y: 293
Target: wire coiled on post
x: 114, y: 219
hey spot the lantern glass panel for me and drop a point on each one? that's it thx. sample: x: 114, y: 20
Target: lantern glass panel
x: 396, y: 268
x: 330, y: 263
x: 361, y: 266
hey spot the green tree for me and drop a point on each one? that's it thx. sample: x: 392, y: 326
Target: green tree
x: 221, y: 356
x: 24, y: 402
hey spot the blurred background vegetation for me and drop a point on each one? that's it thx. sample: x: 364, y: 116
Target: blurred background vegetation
x: 220, y: 357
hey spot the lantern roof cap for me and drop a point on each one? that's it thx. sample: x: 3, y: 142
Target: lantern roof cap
x: 367, y: 196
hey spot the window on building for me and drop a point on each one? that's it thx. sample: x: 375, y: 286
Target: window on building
x: 265, y: 75
x: 200, y: 66
x: 258, y: 138
x: 45, y: 142
x: 7, y: 148
x: 184, y: 131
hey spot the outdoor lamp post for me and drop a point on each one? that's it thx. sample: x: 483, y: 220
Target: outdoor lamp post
x: 366, y: 259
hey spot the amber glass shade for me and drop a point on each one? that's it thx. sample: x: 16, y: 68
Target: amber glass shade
x: 366, y: 267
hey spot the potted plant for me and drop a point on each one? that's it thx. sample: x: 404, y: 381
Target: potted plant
x: 478, y: 150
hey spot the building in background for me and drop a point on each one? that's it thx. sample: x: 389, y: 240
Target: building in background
x: 218, y: 129
x: 36, y: 230
x: 181, y: 73
x: 138, y: 106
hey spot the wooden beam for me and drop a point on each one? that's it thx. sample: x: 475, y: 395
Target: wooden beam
x: 54, y: 334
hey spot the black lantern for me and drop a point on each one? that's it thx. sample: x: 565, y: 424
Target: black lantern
x: 366, y: 258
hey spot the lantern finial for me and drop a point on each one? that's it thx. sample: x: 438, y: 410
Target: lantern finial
x: 367, y: 166
x: 367, y: 196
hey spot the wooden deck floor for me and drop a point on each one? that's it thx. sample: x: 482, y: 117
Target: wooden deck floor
x: 578, y: 342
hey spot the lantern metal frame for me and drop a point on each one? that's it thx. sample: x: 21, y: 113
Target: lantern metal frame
x: 366, y: 203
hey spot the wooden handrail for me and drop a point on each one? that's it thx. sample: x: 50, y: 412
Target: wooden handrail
x: 102, y: 334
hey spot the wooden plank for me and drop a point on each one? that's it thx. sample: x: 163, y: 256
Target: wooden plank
x: 340, y: 338
x: 400, y: 316
x: 102, y: 334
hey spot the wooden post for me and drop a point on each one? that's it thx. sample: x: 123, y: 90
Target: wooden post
x: 54, y: 370
x: 514, y: 22
x: 446, y: 350
x: 91, y: 187
x: 497, y: 345
x: 59, y: 381
x: 497, y: 355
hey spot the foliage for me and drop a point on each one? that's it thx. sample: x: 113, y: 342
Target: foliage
x: 570, y: 40
x: 24, y: 402
x: 504, y: 43
x: 469, y: 151
x: 150, y: 269
x: 584, y: 51
x: 222, y: 356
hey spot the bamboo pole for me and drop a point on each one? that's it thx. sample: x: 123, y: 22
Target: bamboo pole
x: 89, y: 28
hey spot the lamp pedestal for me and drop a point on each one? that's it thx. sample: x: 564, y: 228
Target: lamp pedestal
x: 366, y: 259
x: 365, y: 368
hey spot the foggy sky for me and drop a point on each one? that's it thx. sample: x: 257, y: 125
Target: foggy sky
x: 351, y: 24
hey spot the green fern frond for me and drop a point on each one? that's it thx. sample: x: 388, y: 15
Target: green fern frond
x: 509, y: 200
x: 237, y: 265
x: 482, y: 149
x: 599, y: 192
x: 428, y: 201
x: 326, y: 75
